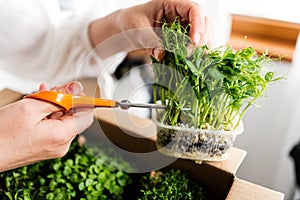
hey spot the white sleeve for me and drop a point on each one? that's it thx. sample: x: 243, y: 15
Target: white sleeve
x: 40, y: 51
x: 75, y: 58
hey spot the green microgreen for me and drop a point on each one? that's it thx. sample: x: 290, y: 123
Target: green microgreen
x: 170, y: 184
x: 78, y: 175
x: 219, y: 84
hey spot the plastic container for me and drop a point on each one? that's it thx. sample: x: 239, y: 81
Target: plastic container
x: 194, y: 144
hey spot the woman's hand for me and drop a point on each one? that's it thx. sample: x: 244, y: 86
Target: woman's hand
x: 152, y: 13
x: 135, y: 25
x: 33, y: 130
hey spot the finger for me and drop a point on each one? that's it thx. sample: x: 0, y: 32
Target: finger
x: 198, y: 22
x: 206, y: 38
x: 73, y: 87
x: 43, y: 87
x: 38, y: 110
x: 144, y: 38
x: 138, y: 38
x: 83, y: 118
x: 57, y: 135
x: 158, y: 53
x: 56, y: 115
x: 78, y: 121
x: 63, y: 130
x: 192, y: 13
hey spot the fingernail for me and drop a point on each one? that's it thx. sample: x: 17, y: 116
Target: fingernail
x: 158, y: 54
x: 74, y: 88
x: 43, y: 86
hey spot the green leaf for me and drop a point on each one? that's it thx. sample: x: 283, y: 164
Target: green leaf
x: 9, y: 195
x: 192, y: 67
x: 215, y: 74
x: 88, y: 182
x: 99, y: 187
x: 83, y: 174
x: 67, y: 170
x: 50, y: 196
x: 81, y: 186
x: 69, y: 162
x: 269, y: 76
x: 52, y: 184
x: 69, y: 186
x: 247, y: 53
x: 56, y: 166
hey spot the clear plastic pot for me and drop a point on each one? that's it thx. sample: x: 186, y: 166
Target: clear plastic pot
x: 194, y: 144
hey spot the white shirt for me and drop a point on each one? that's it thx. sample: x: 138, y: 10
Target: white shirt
x: 36, y: 48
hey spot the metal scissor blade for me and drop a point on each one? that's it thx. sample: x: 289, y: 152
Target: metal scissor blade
x: 125, y: 104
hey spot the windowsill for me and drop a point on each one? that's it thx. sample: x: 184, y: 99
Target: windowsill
x: 277, y: 37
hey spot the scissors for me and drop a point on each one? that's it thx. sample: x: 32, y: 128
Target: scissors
x: 69, y: 101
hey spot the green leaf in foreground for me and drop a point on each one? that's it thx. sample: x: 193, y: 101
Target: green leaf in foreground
x: 170, y: 184
x: 78, y: 175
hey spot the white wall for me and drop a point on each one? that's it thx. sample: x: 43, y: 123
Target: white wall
x: 266, y: 130
x: 271, y: 132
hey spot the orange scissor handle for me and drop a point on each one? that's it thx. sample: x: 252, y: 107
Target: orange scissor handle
x: 69, y: 101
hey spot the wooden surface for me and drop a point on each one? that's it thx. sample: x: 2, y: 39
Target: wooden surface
x: 8, y: 96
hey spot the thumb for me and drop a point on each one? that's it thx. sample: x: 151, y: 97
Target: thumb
x: 158, y: 53
x: 39, y: 109
x: 73, y: 87
x: 151, y: 38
